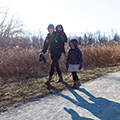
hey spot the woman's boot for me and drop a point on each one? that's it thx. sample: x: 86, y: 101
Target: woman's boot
x: 48, y: 81
x: 60, y: 79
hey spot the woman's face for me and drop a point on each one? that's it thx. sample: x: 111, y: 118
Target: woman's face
x: 72, y: 45
x: 50, y: 30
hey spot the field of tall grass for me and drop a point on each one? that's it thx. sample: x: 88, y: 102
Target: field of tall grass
x: 23, y: 77
x: 19, y: 61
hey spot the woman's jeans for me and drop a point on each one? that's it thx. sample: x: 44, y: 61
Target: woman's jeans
x: 55, y: 64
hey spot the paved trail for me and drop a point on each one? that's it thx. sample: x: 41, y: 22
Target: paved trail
x: 95, y: 100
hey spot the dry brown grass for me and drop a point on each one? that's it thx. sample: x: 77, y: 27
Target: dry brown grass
x: 22, y: 76
x: 21, y: 62
x: 18, y: 62
x: 99, y: 56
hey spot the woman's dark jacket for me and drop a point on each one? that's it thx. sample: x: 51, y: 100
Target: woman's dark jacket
x: 55, y: 42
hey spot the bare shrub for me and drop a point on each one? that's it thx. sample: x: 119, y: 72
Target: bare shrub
x: 97, y: 55
x: 19, y: 61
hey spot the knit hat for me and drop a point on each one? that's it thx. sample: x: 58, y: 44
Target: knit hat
x: 51, y: 26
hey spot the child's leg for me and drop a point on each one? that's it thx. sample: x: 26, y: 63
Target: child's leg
x: 75, y: 79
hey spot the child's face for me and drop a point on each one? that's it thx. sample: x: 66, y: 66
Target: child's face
x: 59, y: 28
x: 72, y: 45
x: 50, y: 30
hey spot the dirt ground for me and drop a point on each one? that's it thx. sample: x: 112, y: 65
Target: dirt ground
x: 95, y: 100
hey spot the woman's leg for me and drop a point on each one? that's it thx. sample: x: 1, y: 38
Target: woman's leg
x: 55, y: 59
x: 59, y: 73
x: 54, y: 63
x: 51, y: 72
x: 58, y: 69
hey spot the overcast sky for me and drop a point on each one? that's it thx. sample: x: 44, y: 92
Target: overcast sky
x: 76, y: 16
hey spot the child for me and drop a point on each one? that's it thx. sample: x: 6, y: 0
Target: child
x: 55, y: 43
x: 59, y: 29
x: 74, y: 62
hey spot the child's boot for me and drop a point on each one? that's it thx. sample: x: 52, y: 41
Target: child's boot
x: 60, y: 79
x: 48, y: 81
x: 76, y: 84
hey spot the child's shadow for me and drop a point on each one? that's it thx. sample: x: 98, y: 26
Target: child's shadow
x: 100, y: 107
x: 75, y: 115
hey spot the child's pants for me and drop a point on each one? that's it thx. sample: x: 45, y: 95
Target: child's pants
x: 55, y: 63
x: 75, y: 77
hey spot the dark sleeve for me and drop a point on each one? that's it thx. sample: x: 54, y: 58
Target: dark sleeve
x: 65, y: 37
x: 80, y: 59
x: 63, y: 47
x: 45, y: 46
x: 65, y: 41
x: 60, y: 39
x: 68, y: 57
x: 80, y: 56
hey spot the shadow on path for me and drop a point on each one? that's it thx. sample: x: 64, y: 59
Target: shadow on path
x: 100, y: 107
x: 75, y: 115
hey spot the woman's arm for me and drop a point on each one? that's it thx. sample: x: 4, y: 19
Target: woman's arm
x: 45, y: 46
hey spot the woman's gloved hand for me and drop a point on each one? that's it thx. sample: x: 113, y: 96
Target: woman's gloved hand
x: 62, y: 56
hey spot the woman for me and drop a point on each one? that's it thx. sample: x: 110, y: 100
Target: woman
x: 56, y: 47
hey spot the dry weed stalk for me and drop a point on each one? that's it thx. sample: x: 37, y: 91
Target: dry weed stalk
x: 19, y: 61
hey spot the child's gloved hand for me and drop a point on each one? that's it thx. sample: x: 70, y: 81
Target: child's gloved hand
x: 62, y: 56
x: 81, y: 66
x: 67, y: 65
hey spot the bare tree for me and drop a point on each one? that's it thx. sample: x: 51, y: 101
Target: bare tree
x: 36, y: 38
x: 9, y: 27
x: 116, y: 38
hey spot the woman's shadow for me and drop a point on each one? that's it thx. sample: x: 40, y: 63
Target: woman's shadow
x: 100, y: 107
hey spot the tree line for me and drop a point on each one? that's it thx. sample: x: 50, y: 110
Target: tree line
x: 12, y: 34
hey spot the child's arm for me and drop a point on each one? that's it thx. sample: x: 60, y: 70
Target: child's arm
x: 80, y: 59
x: 65, y: 36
